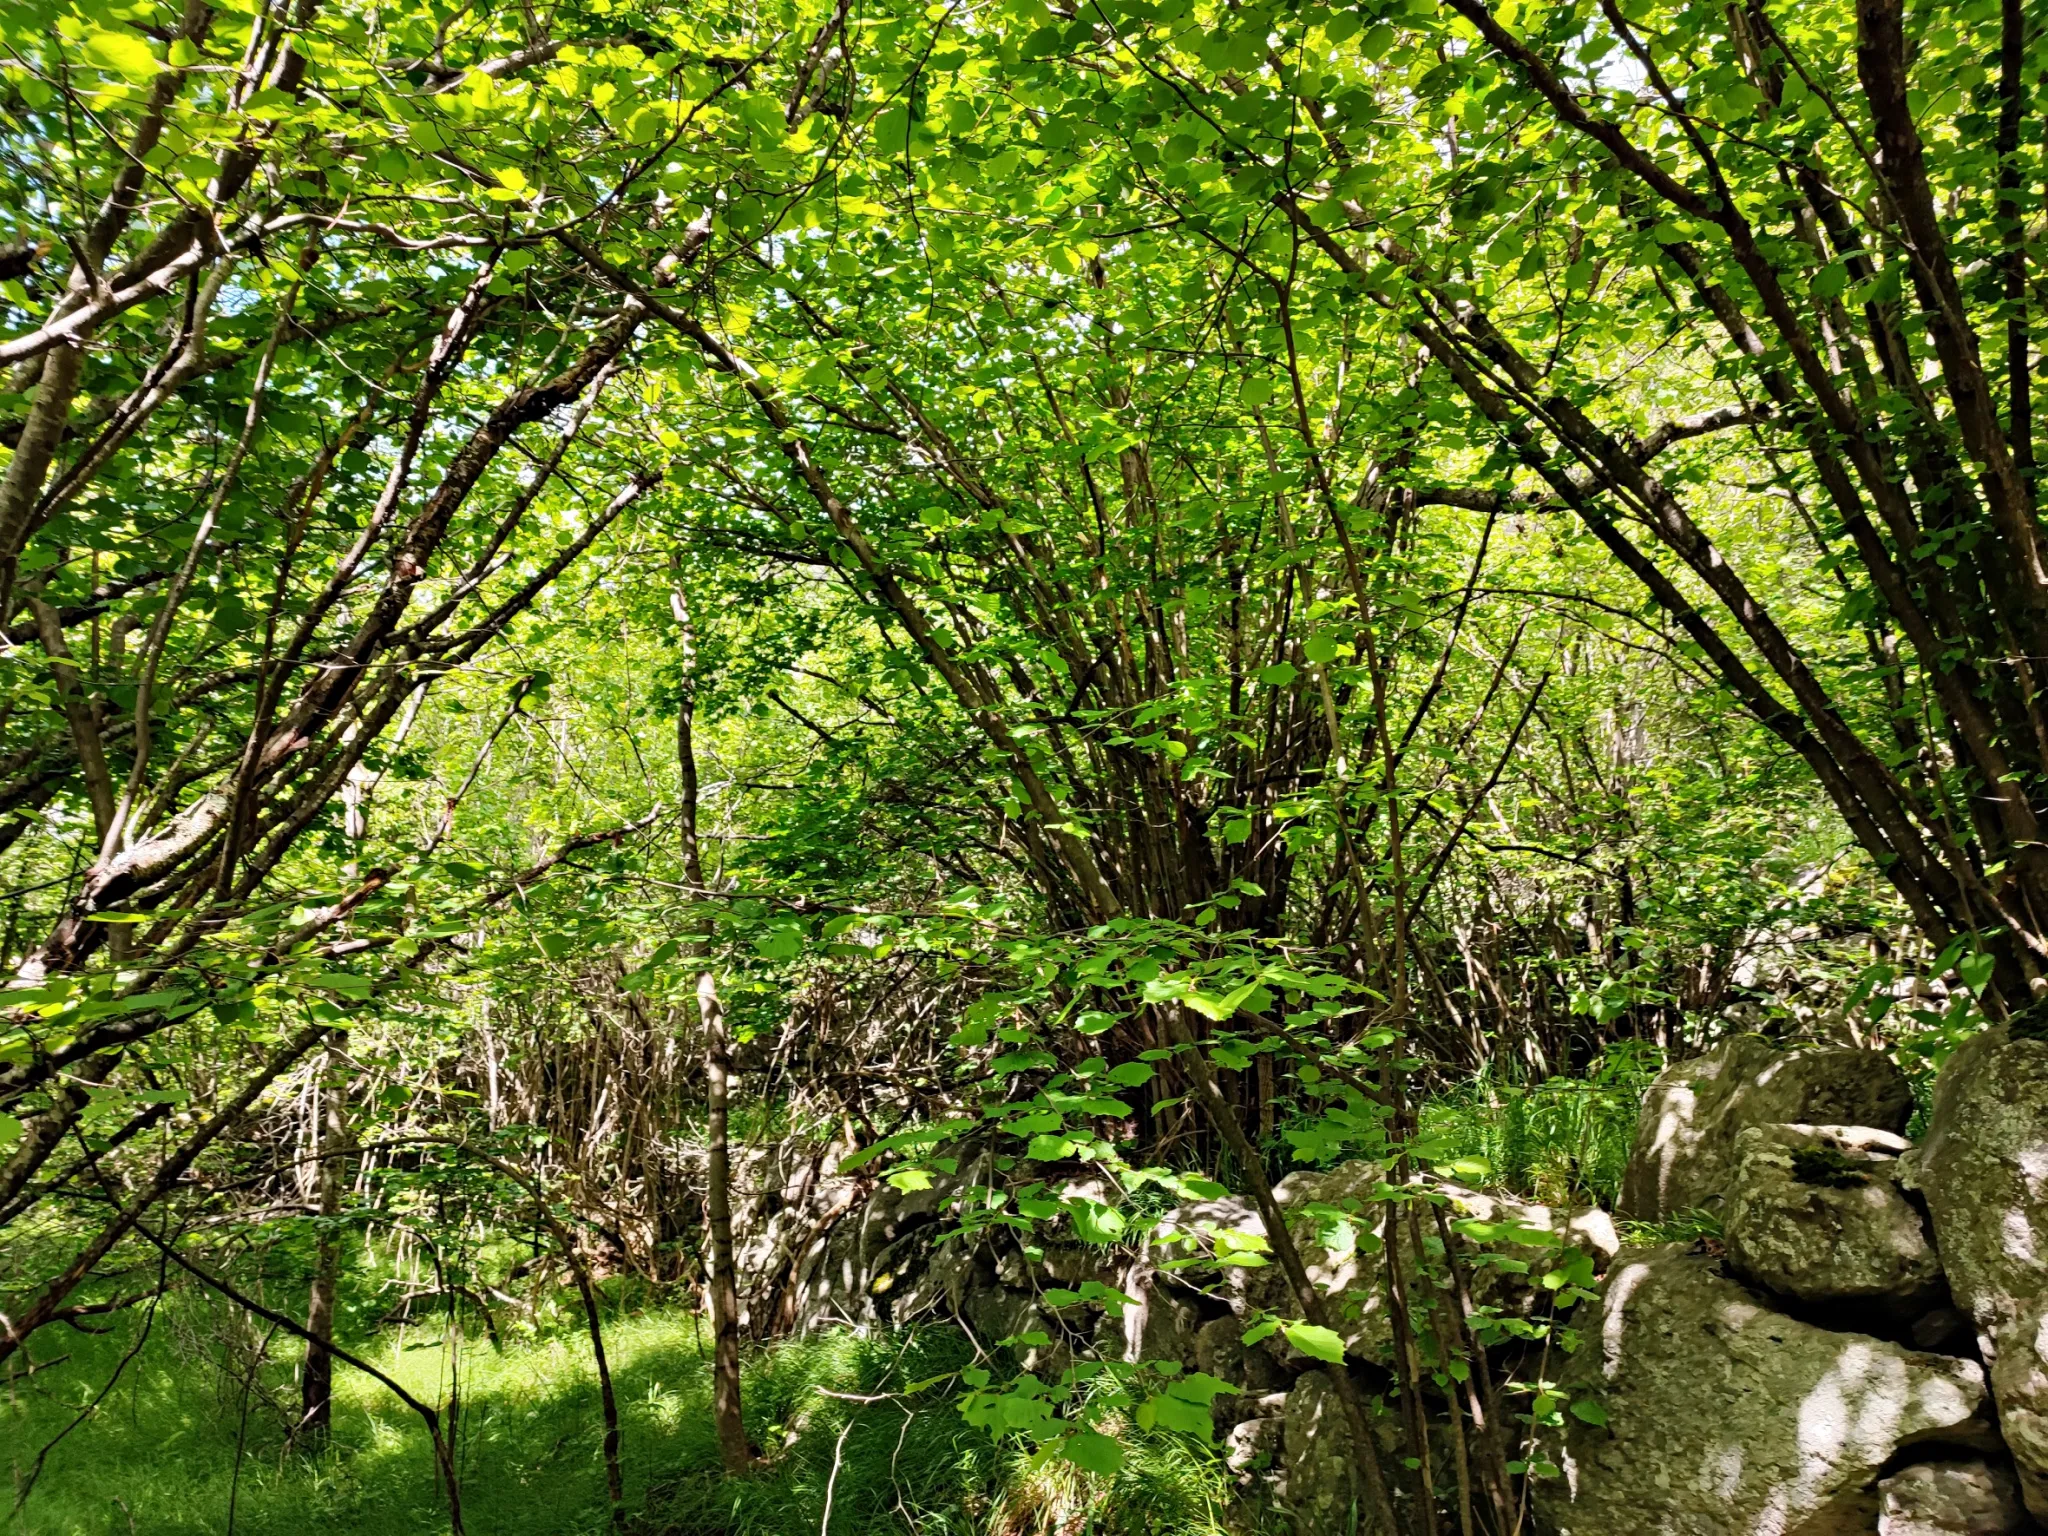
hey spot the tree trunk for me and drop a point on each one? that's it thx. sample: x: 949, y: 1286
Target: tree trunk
x: 329, y: 1179
x: 733, y: 1449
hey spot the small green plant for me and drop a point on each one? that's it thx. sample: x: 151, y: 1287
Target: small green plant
x: 1563, y: 1139
x: 1679, y: 1227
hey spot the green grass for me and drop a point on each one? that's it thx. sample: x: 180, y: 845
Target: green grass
x: 160, y: 1453
x: 1564, y: 1139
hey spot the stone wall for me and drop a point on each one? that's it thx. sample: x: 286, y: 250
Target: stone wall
x: 1862, y: 1351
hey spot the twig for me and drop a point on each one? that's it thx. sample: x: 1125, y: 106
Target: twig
x: 825, y: 1524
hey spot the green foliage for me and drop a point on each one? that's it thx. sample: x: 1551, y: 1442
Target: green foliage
x: 1562, y: 1139
x: 1205, y: 555
x: 1679, y: 1227
x: 162, y: 1449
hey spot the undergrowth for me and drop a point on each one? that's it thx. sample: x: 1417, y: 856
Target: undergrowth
x: 179, y: 1447
x: 1562, y: 1139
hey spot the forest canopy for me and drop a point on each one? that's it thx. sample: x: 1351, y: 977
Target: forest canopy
x: 1132, y: 595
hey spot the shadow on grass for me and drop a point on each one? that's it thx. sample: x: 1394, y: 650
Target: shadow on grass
x: 159, y: 1457
x: 160, y: 1454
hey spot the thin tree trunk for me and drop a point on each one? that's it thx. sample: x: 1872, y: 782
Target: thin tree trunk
x: 316, y: 1382
x: 733, y: 1449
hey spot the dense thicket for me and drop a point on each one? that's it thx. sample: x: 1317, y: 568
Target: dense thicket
x: 584, y: 582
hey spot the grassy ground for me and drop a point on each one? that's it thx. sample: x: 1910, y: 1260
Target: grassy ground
x: 160, y: 1454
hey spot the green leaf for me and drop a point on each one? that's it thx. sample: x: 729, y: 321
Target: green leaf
x: 1975, y: 969
x: 1199, y: 1387
x: 1280, y: 675
x: 1093, y: 1451
x: 123, y: 53
x: 1322, y: 1343
x: 1221, y: 1008
x: 782, y: 944
x: 1586, y: 1411
x: 1132, y: 1074
x: 1095, y: 1222
x: 1170, y: 1412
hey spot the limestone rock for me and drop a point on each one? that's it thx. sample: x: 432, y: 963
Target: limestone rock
x: 1983, y: 1170
x: 2019, y: 1384
x: 1356, y: 1180
x: 1684, y: 1153
x: 1161, y: 1326
x: 1254, y: 1445
x: 1725, y: 1418
x: 1321, y: 1485
x: 1816, y: 1215
x: 1950, y: 1498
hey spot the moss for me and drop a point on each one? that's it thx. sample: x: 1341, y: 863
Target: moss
x: 1828, y: 1168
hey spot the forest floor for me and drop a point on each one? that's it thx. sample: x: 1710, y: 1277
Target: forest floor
x: 171, y: 1450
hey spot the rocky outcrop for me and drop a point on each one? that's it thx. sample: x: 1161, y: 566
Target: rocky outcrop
x: 1767, y: 1384
x: 1815, y: 1214
x: 1950, y: 1498
x: 1684, y: 1154
x: 1724, y: 1417
x: 1983, y: 1171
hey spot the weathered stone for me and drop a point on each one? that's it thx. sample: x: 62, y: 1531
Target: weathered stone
x: 2019, y: 1385
x: 1950, y: 1498
x: 1356, y: 1180
x: 1254, y: 1444
x: 1983, y: 1170
x: 1815, y: 1214
x: 1725, y: 1418
x: 1684, y: 1154
x: 1322, y: 1486
x: 1159, y: 1326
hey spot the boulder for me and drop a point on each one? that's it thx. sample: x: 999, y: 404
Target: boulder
x: 1815, y: 1214
x: 1950, y: 1498
x: 1684, y: 1153
x: 1983, y: 1170
x: 1726, y: 1418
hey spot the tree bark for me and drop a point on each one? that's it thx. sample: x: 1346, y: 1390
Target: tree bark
x: 733, y: 1449
x: 316, y: 1382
